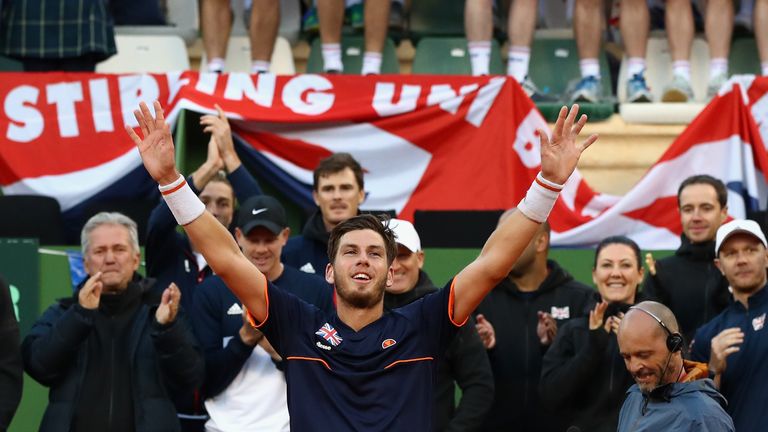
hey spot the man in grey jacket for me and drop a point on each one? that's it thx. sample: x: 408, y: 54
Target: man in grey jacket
x: 670, y: 394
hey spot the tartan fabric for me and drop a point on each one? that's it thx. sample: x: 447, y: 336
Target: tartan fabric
x: 56, y: 29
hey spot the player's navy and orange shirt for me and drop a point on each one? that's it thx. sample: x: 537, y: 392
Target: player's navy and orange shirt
x: 377, y: 379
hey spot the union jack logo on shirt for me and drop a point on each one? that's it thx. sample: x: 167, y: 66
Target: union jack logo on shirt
x: 329, y: 334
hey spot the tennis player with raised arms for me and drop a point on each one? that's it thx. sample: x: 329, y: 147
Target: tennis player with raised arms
x: 361, y: 368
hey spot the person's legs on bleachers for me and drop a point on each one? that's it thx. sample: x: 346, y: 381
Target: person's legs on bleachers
x: 718, y: 26
x: 635, y: 23
x: 478, y: 25
x: 265, y: 21
x: 679, y: 24
x: 376, y: 17
x: 521, y: 24
x: 330, y: 13
x: 216, y: 22
x: 760, y: 17
x: 588, y: 29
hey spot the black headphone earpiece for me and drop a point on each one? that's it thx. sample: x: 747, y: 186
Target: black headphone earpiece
x: 675, y: 340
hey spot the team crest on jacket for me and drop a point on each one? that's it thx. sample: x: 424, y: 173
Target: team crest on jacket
x: 388, y: 343
x: 759, y: 322
x: 330, y: 334
x: 560, y: 313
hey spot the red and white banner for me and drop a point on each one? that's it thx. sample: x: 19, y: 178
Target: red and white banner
x: 425, y: 142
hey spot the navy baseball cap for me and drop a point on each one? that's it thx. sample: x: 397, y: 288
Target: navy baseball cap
x: 264, y: 211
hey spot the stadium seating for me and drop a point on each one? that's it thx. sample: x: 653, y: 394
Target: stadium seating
x: 743, y: 58
x: 555, y: 66
x: 436, y: 18
x: 449, y: 55
x: 34, y: 216
x: 353, y: 48
x: 658, y: 74
x: 146, y: 53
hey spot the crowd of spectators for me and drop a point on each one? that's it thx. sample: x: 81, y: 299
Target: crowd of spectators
x: 541, y: 352
x: 175, y: 350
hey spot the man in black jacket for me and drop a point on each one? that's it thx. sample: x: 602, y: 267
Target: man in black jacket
x: 112, y: 353
x: 10, y: 359
x: 465, y: 361
x: 688, y: 282
x: 518, y: 321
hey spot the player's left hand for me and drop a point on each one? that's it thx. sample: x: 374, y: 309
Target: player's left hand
x: 560, y: 154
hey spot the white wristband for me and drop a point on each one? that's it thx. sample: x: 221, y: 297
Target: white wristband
x: 540, y: 199
x: 184, y: 204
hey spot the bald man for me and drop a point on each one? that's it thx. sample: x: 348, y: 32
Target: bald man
x: 670, y: 394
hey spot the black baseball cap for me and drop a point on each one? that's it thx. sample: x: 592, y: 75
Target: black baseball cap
x: 261, y: 210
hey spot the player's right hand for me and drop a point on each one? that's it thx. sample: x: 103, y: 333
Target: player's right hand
x: 156, y: 144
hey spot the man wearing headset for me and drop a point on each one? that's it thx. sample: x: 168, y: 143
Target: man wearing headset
x: 735, y: 343
x: 670, y: 394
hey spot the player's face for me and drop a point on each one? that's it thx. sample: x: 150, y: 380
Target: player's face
x: 219, y: 200
x: 338, y: 196
x: 643, y: 347
x: 700, y: 212
x: 263, y: 248
x: 406, y: 268
x: 111, y: 252
x: 742, y: 260
x: 360, y: 270
x: 616, y: 273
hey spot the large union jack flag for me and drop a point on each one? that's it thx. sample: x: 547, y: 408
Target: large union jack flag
x: 330, y: 334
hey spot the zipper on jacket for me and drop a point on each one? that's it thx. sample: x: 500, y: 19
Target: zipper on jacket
x: 111, y: 381
x: 527, y: 353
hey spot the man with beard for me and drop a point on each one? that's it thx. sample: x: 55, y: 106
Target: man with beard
x: 519, y: 320
x: 670, y: 394
x: 361, y: 368
x: 338, y: 191
x: 688, y: 282
x: 735, y: 343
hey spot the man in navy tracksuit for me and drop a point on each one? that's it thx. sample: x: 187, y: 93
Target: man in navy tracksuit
x: 238, y: 357
x: 338, y: 191
x: 735, y: 343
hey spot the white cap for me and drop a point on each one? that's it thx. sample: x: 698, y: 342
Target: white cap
x: 405, y: 234
x: 738, y: 226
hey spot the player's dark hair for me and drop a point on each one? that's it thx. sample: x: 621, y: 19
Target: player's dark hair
x: 618, y: 240
x: 379, y: 224
x: 335, y: 163
x: 720, y: 189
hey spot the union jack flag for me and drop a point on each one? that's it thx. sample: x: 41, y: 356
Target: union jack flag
x: 330, y: 334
